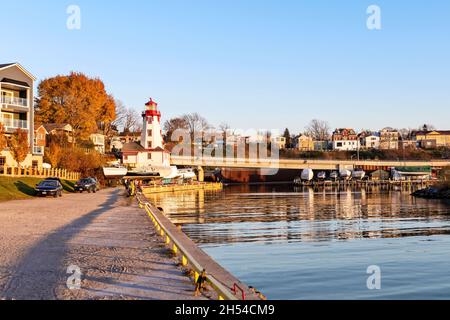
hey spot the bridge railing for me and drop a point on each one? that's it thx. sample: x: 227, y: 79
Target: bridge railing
x: 298, y: 163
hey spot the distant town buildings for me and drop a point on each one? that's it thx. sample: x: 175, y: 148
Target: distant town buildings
x: 345, y: 140
x: 98, y: 140
x: 280, y: 142
x: 389, y: 139
x: 433, y: 139
x: 305, y: 143
x: 372, y: 141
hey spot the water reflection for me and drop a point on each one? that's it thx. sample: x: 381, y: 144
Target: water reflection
x: 274, y: 214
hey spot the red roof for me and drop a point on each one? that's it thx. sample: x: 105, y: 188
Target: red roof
x: 151, y: 103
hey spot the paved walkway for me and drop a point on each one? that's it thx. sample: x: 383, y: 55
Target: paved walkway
x: 108, y: 238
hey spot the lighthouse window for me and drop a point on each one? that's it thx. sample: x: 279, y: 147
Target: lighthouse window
x: 149, y: 155
x: 150, y: 133
x: 150, y: 145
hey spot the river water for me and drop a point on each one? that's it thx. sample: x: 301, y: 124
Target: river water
x: 308, y: 244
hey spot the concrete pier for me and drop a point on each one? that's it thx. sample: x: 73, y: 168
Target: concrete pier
x: 227, y: 286
x: 105, y: 235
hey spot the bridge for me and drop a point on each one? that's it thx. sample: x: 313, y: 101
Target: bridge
x: 300, y: 164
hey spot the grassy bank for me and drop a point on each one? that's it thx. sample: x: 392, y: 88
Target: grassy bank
x: 23, y: 188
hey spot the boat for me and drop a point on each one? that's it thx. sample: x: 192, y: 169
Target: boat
x: 419, y: 173
x: 322, y: 175
x: 359, y: 174
x: 307, y: 175
x: 187, y: 174
x: 345, y: 174
x: 334, y: 175
x: 164, y: 172
x: 115, y: 172
x: 174, y: 174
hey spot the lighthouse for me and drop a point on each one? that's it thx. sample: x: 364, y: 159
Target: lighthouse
x: 149, y: 153
x: 151, y: 138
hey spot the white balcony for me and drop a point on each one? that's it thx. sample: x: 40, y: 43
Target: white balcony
x: 13, y: 124
x: 14, y: 101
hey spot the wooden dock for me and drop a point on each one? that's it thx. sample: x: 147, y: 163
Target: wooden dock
x: 406, y: 184
x: 152, y: 189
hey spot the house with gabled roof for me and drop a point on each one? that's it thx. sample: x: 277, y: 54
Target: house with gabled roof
x: 17, y: 109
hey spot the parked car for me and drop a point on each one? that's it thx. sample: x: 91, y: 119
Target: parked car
x: 53, y: 179
x: 49, y: 188
x: 87, y: 184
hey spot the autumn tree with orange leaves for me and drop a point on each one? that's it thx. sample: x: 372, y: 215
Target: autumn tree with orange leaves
x: 19, y: 146
x: 77, y: 100
x: 3, y: 140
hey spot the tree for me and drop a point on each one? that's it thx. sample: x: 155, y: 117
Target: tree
x: 121, y: 113
x: 53, y: 153
x: 428, y: 127
x: 132, y: 121
x: 3, y: 139
x: 108, y: 123
x: 172, y: 125
x: 318, y: 130
x: 195, y: 124
x: 288, y: 137
x: 19, y: 146
x: 405, y: 134
x: 77, y: 100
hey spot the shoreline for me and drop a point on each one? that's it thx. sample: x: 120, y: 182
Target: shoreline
x: 192, y: 257
x: 433, y: 193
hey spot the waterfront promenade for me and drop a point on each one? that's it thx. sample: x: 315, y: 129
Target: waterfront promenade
x: 108, y: 237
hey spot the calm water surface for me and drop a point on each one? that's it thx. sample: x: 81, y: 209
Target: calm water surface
x: 317, y: 244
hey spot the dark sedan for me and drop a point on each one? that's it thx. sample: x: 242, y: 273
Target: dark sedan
x: 49, y: 188
x: 88, y: 184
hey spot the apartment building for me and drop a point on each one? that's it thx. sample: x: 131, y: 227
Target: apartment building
x: 17, y: 110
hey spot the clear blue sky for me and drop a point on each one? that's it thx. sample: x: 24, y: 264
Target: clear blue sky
x: 250, y: 63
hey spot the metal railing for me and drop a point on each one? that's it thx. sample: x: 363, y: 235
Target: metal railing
x: 15, y: 101
x: 14, y: 123
x: 224, y: 293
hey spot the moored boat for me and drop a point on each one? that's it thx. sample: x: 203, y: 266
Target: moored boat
x: 359, y: 174
x: 307, y: 175
x: 187, y: 174
x: 345, y: 174
x: 153, y: 171
x: 322, y: 175
x: 334, y: 175
x: 115, y: 172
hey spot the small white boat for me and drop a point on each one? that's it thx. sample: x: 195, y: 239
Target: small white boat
x: 359, y: 174
x: 164, y: 172
x: 307, y: 175
x: 334, y: 175
x: 187, y: 174
x: 115, y: 172
x: 322, y: 175
x: 345, y: 174
x: 174, y: 173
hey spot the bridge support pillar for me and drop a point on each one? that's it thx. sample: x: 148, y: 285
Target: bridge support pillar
x: 200, y: 174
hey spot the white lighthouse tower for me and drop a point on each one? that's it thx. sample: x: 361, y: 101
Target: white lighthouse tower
x: 151, y: 130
